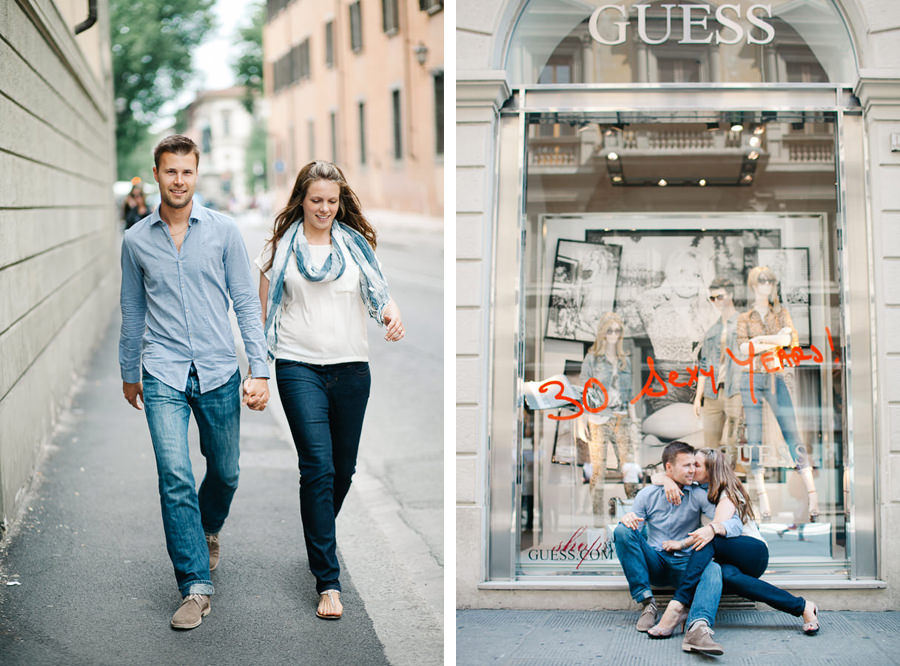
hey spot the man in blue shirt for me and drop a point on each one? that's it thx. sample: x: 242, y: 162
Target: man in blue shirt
x: 180, y: 267
x: 646, y: 563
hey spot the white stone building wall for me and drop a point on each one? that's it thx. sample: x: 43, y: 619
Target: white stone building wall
x: 59, y: 252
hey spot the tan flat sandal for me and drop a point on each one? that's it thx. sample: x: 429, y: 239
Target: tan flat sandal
x: 330, y: 607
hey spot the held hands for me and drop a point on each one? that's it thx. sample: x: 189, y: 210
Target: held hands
x: 134, y: 394
x: 631, y: 520
x: 256, y: 393
x: 700, y: 537
x: 391, y: 317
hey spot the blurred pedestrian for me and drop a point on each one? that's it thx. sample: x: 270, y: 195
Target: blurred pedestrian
x: 177, y: 356
x: 319, y: 279
x: 135, y: 207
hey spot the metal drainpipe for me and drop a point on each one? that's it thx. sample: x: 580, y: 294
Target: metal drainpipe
x: 90, y: 20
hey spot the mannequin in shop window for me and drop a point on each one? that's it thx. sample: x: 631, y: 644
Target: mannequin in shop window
x: 768, y: 325
x: 720, y: 406
x: 607, y: 362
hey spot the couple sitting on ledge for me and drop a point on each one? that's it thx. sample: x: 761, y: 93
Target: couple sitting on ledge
x: 728, y: 554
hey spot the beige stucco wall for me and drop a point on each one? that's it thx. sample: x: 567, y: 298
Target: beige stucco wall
x: 483, y: 27
x: 58, y: 228
x: 385, y: 63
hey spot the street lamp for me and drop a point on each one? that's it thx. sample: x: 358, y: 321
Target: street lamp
x: 421, y: 53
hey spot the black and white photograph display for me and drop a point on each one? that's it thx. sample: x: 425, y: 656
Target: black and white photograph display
x: 584, y: 287
x: 663, y: 278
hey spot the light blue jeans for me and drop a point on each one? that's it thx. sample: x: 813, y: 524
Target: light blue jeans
x: 189, y: 515
x: 783, y: 407
x: 644, y: 566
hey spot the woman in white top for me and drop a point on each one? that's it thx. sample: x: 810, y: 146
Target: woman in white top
x: 320, y: 280
x: 743, y: 558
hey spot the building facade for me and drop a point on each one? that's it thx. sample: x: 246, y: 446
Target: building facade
x: 220, y: 126
x: 619, y: 158
x: 58, y: 226
x: 359, y: 83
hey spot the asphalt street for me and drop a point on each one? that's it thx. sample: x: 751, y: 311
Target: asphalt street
x: 84, y: 575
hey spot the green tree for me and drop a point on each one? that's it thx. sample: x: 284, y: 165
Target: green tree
x: 248, y: 66
x: 152, y: 41
x: 256, y: 160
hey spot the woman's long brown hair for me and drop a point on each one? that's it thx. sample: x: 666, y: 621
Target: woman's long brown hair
x: 723, y: 479
x: 348, y: 208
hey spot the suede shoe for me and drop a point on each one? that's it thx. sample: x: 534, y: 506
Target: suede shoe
x: 212, y: 542
x: 648, y: 617
x: 193, y: 608
x: 699, y: 639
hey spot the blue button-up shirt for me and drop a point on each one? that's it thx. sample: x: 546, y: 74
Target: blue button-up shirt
x: 728, y: 372
x: 175, y: 304
x: 667, y: 521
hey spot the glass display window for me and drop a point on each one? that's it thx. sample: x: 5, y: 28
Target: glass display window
x: 658, y: 247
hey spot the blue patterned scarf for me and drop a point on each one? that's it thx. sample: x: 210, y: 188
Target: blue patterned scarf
x: 373, y: 288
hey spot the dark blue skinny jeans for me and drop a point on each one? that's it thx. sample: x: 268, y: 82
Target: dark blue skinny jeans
x: 743, y: 560
x: 325, y: 406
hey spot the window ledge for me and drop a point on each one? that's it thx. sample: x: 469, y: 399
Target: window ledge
x: 619, y: 584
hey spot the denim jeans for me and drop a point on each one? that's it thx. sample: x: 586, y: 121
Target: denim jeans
x: 645, y: 566
x: 325, y: 406
x: 743, y: 560
x: 188, y: 514
x: 783, y: 407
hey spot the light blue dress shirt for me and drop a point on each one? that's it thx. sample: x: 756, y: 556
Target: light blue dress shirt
x: 667, y: 521
x: 175, y: 303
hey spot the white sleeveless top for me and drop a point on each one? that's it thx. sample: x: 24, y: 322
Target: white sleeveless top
x: 321, y: 322
x: 751, y: 528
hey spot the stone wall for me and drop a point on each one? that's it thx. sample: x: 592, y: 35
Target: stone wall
x: 58, y: 225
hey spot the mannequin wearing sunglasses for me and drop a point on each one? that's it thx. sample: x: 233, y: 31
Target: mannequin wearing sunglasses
x: 607, y: 362
x: 719, y: 406
x: 768, y: 325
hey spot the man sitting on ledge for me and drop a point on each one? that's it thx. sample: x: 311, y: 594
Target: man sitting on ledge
x: 644, y: 561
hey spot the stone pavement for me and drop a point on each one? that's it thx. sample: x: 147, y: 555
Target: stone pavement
x: 764, y: 637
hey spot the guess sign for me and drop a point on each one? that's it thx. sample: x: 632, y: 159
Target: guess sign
x: 694, y: 24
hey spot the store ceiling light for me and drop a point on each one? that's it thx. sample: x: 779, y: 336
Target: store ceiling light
x: 737, y: 127
x: 662, y: 182
x: 702, y: 182
x: 759, y: 129
x: 612, y: 157
x: 617, y: 179
x: 754, y: 155
x: 754, y: 141
x: 747, y: 178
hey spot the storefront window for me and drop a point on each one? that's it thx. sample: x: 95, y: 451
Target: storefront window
x: 721, y: 41
x: 644, y: 232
